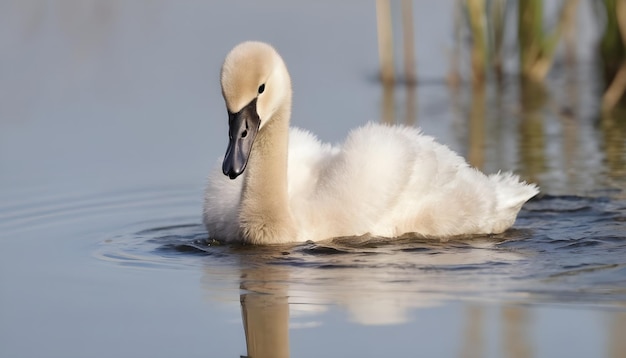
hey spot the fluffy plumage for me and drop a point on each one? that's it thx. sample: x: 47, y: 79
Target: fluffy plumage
x: 383, y: 180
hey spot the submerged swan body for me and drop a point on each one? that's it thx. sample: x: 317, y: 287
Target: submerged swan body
x: 279, y: 185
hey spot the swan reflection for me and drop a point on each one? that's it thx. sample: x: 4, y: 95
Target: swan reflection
x: 265, y: 312
x: 287, y: 287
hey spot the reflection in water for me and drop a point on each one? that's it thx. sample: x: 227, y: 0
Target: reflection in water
x: 387, y: 107
x: 268, y: 298
x: 410, y: 115
x: 376, y: 282
x: 617, y: 343
x: 265, y: 312
x: 388, y: 104
x: 569, y: 117
x: 613, y: 128
x: 82, y: 56
x: 273, y: 282
x: 473, y: 340
x: 551, y: 134
x: 532, y: 141
x: 516, y: 322
x: 379, y: 282
x: 266, y: 325
x: 476, y: 153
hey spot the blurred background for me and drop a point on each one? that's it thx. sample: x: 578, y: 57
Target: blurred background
x: 554, y: 67
x: 111, y: 117
x: 534, y: 86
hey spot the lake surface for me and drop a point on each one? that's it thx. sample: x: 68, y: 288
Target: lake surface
x: 111, y: 117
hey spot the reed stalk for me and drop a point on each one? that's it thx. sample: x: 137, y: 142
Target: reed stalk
x: 569, y: 17
x: 533, y: 98
x: 477, y: 114
x: 476, y: 13
x: 408, y: 39
x: 613, y: 47
x: 453, y: 78
x: 537, y: 47
x: 497, y: 14
x: 530, y: 33
x: 385, y: 40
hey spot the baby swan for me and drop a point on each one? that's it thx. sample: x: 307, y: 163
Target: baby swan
x: 279, y: 185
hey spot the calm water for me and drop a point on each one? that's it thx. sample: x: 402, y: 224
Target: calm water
x: 111, y: 117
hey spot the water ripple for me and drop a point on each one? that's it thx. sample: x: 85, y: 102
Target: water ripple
x: 47, y: 209
x: 562, y: 248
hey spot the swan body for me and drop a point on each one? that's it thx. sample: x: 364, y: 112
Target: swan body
x: 279, y: 185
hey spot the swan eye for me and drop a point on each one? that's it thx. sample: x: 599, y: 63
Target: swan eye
x: 261, y: 88
x: 244, y: 134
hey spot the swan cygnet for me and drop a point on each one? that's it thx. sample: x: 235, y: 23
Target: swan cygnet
x: 279, y: 185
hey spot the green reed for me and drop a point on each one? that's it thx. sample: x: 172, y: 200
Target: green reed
x: 613, y: 52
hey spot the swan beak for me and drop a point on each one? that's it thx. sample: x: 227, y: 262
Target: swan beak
x: 242, y: 129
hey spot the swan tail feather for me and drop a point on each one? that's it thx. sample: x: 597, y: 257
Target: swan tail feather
x: 511, y: 194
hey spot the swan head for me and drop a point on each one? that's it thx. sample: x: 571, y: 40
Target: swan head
x: 255, y: 84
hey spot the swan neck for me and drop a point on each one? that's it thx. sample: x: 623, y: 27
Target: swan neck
x: 265, y: 216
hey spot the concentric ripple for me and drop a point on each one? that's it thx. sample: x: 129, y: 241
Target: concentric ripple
x: 562, y: 248
x: 47, y: 209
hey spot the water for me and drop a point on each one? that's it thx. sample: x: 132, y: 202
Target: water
x: 111, y: 117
